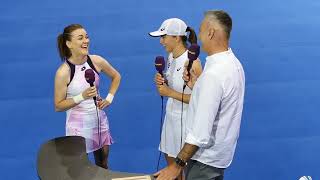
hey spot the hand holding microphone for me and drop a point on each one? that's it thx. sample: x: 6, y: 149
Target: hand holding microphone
x: 190, y: 77
x: 90, y: 92
x: 159, y: 79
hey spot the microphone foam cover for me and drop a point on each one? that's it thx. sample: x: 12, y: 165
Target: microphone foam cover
x: 89, y: 75
x: 193, y: 52
x: 159, y: 63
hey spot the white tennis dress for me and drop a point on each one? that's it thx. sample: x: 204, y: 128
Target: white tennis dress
x: 172, y: 130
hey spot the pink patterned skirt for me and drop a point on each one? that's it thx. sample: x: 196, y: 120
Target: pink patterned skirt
x: 86, y: 124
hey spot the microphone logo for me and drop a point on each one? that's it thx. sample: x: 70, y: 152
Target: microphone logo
x: 193, y: 53
x: 159, y: 64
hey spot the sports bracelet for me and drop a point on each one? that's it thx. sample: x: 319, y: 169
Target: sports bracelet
x: 78, y: 98
x: 110, y: 97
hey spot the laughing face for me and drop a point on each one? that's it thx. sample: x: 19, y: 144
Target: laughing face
x: 79, y: 44
x: 168, y: 42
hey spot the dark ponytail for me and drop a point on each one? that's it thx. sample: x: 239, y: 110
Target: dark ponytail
x: 64, y: 51
x: 192, y: 37
x: 62, y: 47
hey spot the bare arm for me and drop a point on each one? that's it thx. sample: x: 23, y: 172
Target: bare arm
x: 187, y: 151
x: 178, y: 96
x: 104, y: 66
x: 164, y: 90
x: 113, y: 74
x: 60, y: 90
x: 173, y: 170
x: 197, y: 69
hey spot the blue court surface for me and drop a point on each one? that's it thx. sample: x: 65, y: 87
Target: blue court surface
x: 278, y: 43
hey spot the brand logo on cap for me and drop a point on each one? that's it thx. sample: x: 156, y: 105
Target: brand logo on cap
x: 162, y: 29
x: 306, y: 178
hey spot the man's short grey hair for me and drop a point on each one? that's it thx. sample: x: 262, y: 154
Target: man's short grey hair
x: 222, y: 18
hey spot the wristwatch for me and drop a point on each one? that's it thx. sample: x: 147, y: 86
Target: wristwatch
x: 180, y: 162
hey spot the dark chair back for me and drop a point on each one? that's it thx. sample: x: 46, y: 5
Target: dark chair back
x: 65, y: 158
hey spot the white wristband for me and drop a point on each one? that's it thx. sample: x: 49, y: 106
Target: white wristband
x: 110, y: 97
x: 78, y: 98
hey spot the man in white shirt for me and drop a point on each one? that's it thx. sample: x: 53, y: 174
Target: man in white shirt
x: 215, y: 108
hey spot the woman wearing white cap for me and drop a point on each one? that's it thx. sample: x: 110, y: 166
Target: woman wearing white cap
x: 173, y: 36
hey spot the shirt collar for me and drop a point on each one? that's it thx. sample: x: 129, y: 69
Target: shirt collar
x: 214, y: 56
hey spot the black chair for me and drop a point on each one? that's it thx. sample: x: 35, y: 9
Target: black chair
x: 65, y: 158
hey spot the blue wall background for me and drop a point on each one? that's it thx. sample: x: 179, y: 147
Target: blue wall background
x: 277, y: 42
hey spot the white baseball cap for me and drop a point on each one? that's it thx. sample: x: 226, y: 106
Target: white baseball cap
x: 172, y: 27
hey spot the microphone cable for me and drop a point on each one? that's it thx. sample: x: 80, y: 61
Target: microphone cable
x: 99, y: 130
x: 99, y: 123
x: 99, y: 127
x: 161, y: 124
x: 181, y: 120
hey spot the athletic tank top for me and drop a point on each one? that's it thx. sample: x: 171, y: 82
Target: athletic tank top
x: 78, y: 84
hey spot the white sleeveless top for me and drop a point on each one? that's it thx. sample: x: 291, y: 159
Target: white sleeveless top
x: 78, y: 84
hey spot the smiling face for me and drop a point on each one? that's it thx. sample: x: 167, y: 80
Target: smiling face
x: 79, y: 43
x: 168, y: 42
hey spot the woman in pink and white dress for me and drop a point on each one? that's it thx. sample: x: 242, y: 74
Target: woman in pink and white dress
x: 75, y: 96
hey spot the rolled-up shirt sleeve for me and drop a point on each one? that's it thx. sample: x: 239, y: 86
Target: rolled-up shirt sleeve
x: 205, y: 102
